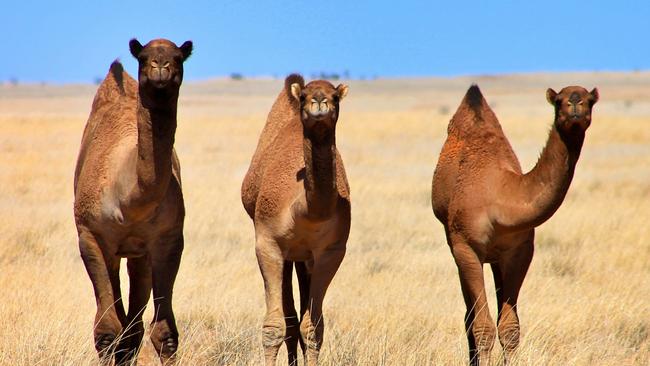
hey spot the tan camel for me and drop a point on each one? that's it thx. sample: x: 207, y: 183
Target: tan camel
x: 297, y: 194
x: 128, y: 200
x: 489, y: 208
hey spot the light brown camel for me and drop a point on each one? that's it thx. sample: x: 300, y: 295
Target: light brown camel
x: 128, y: 199
x: 489, y: 208
x: 297, y: 194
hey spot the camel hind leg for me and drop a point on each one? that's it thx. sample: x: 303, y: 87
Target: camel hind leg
x: 512, y: 270
x: 304, y: 281
x: 107, y: 324
x: 290, y: 315
x: 140, y: 291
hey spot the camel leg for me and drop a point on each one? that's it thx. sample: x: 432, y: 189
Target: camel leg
x: 469, y: 320
x: 312, y: 325
x: 512, y: 268
x: 107, y: 325
x: 290, y: 316
x: 271, y: 262
x: 304, y: 280
x: 165, y: 260
x: 139, y: 293
x: 478, y: 322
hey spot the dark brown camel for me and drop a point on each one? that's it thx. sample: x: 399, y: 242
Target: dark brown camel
x: 128, y: 200
x: 489, y: 208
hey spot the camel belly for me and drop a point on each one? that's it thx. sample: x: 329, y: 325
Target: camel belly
x: 131, y: 247
x: 306, y: 238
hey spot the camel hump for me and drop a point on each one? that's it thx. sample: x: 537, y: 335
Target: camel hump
x: 116, y: 85
x: 293, y: 79
x: 116, y: 73
x: 474, y: 99
x: 116, y: 67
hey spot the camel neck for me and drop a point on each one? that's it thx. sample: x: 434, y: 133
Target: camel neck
x: 320, y: 176
x: 156, y: 131
x: 541, y: 191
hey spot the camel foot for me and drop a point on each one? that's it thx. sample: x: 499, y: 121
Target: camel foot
x: 166, y: 349
x: 105, y: 344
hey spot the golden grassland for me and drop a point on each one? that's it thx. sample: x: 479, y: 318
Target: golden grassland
x: 396, y: 299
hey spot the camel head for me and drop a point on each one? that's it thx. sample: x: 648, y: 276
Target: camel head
x: 319, y: 105
x: 573, y: 106
x: 160, y: 61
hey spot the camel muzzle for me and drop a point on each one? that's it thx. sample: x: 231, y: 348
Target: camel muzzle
x: 318, y: 108
x: 160, y: 74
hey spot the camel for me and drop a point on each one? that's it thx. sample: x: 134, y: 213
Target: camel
x: 489, y: 209
x: 128, y: 200
x: 297, y: 194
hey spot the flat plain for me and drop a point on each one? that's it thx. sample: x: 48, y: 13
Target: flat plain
x: 396, y: 299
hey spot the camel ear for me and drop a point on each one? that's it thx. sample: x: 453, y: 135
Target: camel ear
x: 551, y: 95
x: 342, y: 91
x: 296, y: 90
x: 136, y: 47
x: 186, y: 49
x: 594, y: 96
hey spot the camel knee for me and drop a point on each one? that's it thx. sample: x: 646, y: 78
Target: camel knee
x: 484, y: 335
x: 509, y: 336
x: 312, y: 334
x: 107, y: 322
x: 273, y: 331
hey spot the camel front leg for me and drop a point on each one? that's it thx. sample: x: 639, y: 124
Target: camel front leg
x: 271, y: 262
x: 512, y: 268
x: 312, y: 325
x: 165, y: 260
x: 479, y: 325
x: 107, y: 325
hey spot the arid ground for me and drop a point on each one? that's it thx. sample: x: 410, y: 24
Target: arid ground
x: 396, y: 299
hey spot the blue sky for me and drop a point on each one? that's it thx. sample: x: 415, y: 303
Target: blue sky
x: 75, y: 41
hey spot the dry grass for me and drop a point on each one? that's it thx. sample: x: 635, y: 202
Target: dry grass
x: 396, y: 299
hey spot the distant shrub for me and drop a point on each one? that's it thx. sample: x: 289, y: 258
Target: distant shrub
x: 236, y: 76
